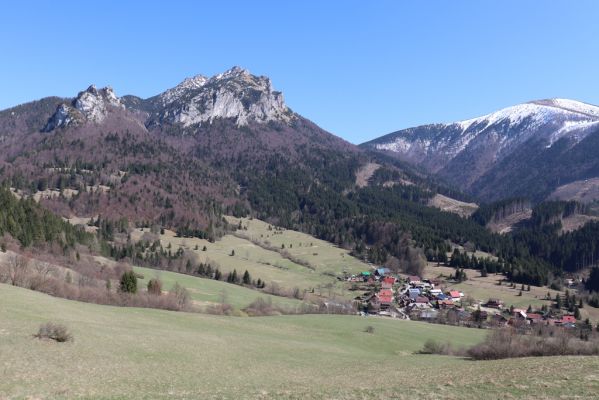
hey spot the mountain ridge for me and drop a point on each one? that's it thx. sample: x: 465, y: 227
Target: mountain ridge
x: 466, y: 153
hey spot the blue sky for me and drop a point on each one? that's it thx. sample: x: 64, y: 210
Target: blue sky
x: 359, y: 69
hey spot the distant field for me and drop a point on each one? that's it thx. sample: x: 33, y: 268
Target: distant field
x: 208, y: 291
x: 129, y: 353
x: 234, y: 252
x: 484, y: 288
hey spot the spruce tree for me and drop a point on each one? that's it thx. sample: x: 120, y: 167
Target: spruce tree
x: 246, y: 278
x: 128, y: 282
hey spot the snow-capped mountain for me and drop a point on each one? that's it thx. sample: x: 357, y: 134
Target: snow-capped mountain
x: 467, y: 152
x: 90, y: 105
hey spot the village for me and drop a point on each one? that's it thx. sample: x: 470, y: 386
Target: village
x: 414, y: 298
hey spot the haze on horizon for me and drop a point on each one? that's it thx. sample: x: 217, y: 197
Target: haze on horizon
x: 358, y: 70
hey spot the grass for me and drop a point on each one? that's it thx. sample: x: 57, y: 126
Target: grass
x: 233, y: 252
x: 208, y: 291
x: 142, y: 353
x: 483, y: 288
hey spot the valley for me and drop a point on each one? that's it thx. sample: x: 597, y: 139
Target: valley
x: 215, y: 234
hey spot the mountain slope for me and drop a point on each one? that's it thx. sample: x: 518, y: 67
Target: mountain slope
x: 216, y: 146
x: 506, y: 153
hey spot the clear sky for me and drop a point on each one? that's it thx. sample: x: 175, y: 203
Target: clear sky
x: 359, y: 69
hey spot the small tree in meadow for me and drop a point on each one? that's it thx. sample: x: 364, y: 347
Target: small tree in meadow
x: 155, y: 287
x: 128, y: 282
x: 247, y: 279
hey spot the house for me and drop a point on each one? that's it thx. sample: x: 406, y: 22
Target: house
x: 386, y: 285
x: 435, y: 292
x: 534, y: 318
x: 421, y: 299
x: 429, y: 314
x: 455, y: 295
x: 413, y: 293
x: 494, y: 303
x: 445, y: 304
x: 382, y: 271
x: 365, y: 276
x: 385, y: 296
x: 389, y: 279
x: 568, y: 319
x: 520, y: 314
x: 499, y: 320
x: 414, y: 280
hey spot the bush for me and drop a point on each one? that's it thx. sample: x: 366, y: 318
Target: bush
x: 54, y: 331
x: 433, y: 347
x: 548, y: 341
x: 369, y: 329
x: 128, y: 282
x: 181, y: 296
x: 155, y: 287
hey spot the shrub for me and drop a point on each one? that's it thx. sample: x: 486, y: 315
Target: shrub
x: 155, y: 287
x: 369, y: 329
x: 548, y: 341
x: 128, y: 282
x: 181, y: 296
x: 53, y: 331
x: 433, y: 347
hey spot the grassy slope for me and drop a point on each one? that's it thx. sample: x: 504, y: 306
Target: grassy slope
x: 207, y: 291
x: 140, y: 353
x: 269, y: 265
x: 484, y: 288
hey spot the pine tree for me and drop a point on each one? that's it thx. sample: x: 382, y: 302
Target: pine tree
x: 246, y: 278
x: 128, y: 282
x: 558, y: 301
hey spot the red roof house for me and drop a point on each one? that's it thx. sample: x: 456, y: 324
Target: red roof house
x: 421, y: 299
x: 568, y: 319
x: 389, y: 280
x: 454, y: 294
x: 445, y: 304
x: 385, y: 296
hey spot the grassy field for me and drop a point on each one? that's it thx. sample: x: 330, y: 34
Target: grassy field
x: 142, y: 353
x: 484, y: 288
x: 326, y: 261
x: 207, y: 291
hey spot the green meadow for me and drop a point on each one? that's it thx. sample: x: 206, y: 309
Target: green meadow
x: 131, y: 353
x: 205, y: 292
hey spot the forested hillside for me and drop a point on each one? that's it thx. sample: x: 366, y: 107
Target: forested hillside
x: 228, y: 145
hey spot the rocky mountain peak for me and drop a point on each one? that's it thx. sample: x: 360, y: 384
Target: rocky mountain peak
x: 234, y: 94
x: 188, y: 84
x: 91, y: 105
